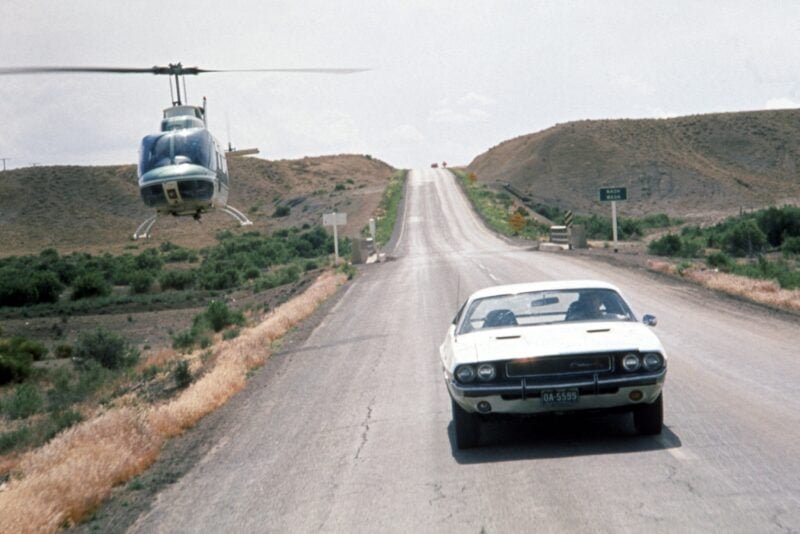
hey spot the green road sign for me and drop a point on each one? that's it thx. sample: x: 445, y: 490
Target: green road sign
x: 613, y: 193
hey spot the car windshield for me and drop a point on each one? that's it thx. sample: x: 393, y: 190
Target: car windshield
x: 545, y: 307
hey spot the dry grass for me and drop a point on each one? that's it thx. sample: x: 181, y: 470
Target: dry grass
x: 763, y: 291
x: 662, y: 267
x: 157, y: 359
x: 61, y: 482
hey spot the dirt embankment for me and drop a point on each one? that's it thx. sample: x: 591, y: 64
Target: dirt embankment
x: 701, y: 167
x: 97, y: 209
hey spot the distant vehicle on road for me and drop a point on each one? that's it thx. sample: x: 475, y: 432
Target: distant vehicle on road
x: 444, y: 164
x: 434, y: 165
x: 546, y: 347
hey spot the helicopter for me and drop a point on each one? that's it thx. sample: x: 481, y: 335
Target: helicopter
x: 182, y: 169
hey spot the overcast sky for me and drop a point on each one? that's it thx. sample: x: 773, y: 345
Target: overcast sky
x: 450, y: 79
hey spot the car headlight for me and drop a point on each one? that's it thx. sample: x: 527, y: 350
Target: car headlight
x: 652, y: 361
x: 486, y: 372
x: 465, y: 373
x: 631, y: 362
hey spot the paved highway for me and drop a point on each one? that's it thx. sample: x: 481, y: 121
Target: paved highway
x: 350, y: 431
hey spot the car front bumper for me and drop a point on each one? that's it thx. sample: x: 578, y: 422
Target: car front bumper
x: 524, y: 396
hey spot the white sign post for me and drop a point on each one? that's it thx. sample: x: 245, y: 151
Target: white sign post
x: 613, y: 194
x: 335, y: 220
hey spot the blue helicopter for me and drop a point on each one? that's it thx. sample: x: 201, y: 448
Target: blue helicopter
x: 183, y: 170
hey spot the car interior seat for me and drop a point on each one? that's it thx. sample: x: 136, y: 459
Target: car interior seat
x: 500, y: 318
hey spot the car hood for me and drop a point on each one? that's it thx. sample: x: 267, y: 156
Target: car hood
x: 555, y: 339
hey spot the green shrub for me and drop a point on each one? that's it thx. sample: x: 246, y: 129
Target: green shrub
x: 720, y: 260
x: 276, y: 278
x: 141, y: 281
x: 24, y: 402
x: 48, y: 286
x: 340, y: 187
x: 744, y: 238
x: 219, y: 316
x: 15, y: 439
x: 106, y: 348
x: 16, y: 288
x: 553, y: 213
x: 252, y: 273
x: 779, y: 223
x: 629, y: 228
x: 63, y: 351
x: 184, y: 340
x: 21, y: 345
x: 92, y: 375
x: 791, y: 245
x: 667, y: 245
x: 62, y: 394
x: 182, y: 375
x: 281, y: 211
x: 15, y: 366
x: 231, y: 334
x: 219, y: 279
x: 88, y: 285
x: 691, y: 248
x: 149, y: 260
x: 179, y: 280
x: 150, y: 372
x: 19, y: 287
x: 657, y: 220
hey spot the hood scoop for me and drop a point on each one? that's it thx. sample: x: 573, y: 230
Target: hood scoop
x: 507, y: 337
x: 597, y: 331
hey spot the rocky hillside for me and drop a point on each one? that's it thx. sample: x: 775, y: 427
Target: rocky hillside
x: 701, y: 166
x: 97, y: 209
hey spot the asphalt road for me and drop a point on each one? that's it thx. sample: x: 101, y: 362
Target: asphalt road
x: 350, y: 431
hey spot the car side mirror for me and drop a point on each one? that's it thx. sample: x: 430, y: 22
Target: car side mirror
x: 650, y: 320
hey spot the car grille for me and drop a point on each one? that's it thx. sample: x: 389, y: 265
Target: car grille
x: 560, y: 365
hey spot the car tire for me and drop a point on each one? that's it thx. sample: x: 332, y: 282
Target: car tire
x: 649, y: 418
x: 467, y: 427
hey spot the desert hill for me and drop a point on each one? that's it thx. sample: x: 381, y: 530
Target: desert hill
x: 97, y: 209
x: 700, y: 166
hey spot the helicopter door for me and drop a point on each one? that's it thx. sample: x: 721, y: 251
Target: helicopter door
x: 172, y: 194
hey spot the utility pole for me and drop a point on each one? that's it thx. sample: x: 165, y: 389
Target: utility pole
x: 4, y: 163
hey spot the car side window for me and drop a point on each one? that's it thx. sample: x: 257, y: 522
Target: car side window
x: 458, y: 315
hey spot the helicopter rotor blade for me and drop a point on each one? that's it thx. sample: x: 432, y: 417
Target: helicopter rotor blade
x: 313, y: 71
x: 172, y: 69
x: 49, y: 70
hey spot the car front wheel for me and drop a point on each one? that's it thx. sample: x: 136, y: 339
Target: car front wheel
x: 649, y: 418
x: 467, y: 427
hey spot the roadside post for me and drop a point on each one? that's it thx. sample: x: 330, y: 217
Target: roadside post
x: 335, y: 220
x: 613, y: 194
x: 568, y: 223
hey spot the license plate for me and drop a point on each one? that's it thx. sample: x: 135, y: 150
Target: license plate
x: 560, y: 396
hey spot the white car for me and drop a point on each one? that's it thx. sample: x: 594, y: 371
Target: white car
x: 549, y: 347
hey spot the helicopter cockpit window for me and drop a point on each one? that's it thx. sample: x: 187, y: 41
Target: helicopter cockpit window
x: 176, y: 148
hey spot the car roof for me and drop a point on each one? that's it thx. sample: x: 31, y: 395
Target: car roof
x: 553, y: 285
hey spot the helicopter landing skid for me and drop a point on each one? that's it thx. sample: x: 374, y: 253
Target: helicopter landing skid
x: 143, y: 232
x: 236, y: 214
